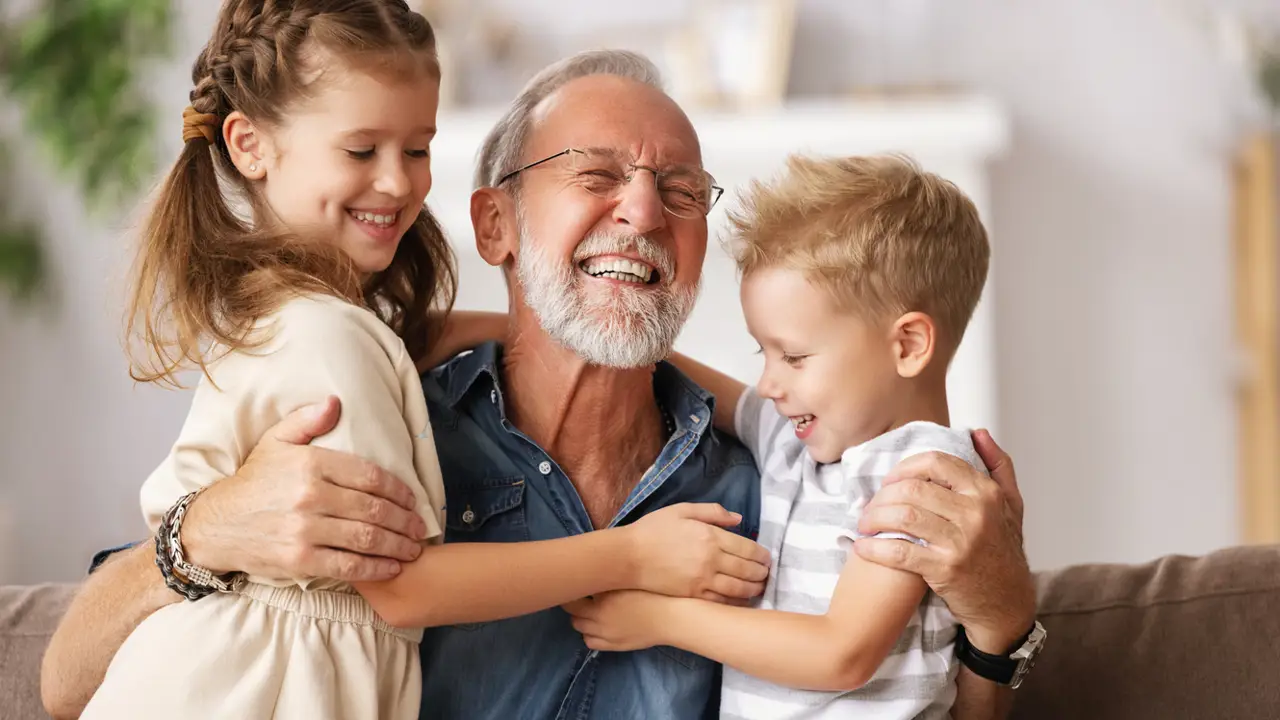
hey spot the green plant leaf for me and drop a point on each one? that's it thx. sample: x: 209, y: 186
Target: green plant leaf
x: 74, y: 67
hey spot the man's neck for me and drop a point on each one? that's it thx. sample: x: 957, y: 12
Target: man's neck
x: 601, y: 425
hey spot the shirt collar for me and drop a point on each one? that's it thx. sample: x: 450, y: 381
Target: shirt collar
x: 691, y: 406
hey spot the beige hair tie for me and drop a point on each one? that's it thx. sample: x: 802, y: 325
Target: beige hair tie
x: 197, y: 124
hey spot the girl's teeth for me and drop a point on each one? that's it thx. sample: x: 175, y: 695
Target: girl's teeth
x: 375, y: 219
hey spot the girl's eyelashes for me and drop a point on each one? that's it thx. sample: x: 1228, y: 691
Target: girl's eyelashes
x: 369, y: 153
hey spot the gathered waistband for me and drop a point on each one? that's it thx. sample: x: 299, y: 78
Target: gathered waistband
x: 344, y: 607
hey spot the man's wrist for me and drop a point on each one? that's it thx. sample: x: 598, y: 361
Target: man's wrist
x: 1002, y: 639
x: 196, y: 544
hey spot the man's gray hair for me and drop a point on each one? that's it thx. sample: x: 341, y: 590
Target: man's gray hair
x: 504, y: 145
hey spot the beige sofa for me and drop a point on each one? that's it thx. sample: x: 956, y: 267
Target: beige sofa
x: 1177, y: 638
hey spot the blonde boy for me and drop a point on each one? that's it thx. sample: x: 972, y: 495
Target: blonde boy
x: 859, y: 276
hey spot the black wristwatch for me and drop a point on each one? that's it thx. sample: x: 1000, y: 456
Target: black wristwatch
x: 1008, y: 669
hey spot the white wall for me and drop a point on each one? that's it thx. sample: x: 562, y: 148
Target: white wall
x: 1112, y: 294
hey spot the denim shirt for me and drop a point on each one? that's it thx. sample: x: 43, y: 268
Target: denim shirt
x: 502, y: 487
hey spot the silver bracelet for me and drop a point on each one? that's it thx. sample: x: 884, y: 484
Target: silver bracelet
x: 195, y: 575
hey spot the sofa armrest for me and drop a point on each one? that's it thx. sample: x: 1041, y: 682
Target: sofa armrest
x: 1178, y: 637
x: 28, y: 617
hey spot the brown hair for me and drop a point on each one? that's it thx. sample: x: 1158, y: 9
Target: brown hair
x: 883, y: 236
x: 206, y: 275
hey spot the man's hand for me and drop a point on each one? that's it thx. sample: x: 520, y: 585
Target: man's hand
x: 680, y: 551
x: 299, y: 511
x: 973, y: 525
x: 619, y: 621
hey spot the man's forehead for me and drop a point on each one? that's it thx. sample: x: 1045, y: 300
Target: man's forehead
x: 619, y: 114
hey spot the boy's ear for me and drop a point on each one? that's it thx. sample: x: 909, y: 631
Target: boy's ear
x: 493, y: 218
x: 915, y: 339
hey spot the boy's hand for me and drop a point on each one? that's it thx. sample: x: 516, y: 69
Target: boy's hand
x: 620, y: 621
x: 683, y: 551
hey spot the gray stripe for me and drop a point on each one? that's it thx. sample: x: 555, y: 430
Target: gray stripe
x: 907, y: 687
x: 776, y: 485
x: 792, y: 601
x: 770, y: 536
x: 827, y: 514
x: 830, y: 562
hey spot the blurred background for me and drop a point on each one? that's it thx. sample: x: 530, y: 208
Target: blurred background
x: 1123, y: 153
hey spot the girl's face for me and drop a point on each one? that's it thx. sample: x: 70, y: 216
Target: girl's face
x: 351, y: 164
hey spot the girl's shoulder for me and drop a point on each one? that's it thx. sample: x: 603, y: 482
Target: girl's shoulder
x: 315, y: 323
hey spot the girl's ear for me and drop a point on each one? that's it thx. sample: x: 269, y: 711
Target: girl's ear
x: 248, y: 146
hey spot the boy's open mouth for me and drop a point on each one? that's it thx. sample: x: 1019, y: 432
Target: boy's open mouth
x: 801, y: 422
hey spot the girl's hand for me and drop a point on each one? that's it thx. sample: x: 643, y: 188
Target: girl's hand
x: 683, y: 551
x: 620, y: 621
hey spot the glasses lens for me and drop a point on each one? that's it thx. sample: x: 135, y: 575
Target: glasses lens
x: 685, y: 193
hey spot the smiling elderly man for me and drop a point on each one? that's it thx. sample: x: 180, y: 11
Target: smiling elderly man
x: 593, y: 200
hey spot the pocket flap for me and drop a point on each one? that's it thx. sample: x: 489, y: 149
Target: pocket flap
x: 470, y: 507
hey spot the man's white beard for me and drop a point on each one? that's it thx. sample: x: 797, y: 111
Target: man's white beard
x: 630, y: 327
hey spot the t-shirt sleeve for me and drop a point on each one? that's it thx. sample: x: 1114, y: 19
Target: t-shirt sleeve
x: 865, y: 469
x: 317, y: 349
x: 758, y: 425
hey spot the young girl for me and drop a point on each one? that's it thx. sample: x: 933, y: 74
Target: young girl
x: 318, y: 115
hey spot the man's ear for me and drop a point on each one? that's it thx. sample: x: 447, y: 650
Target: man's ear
x: 248, y: 146
x: 915, y: 339
x: 493, y: 218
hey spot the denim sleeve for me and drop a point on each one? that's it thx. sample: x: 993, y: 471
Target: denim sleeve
x: 101, y: 557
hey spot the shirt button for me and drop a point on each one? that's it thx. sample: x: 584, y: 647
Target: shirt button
x: 493, y: 396
x: 468, y: 516
x: 544, y: 467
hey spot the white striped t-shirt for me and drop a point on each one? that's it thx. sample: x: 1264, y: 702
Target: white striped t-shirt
x: 808, y: 515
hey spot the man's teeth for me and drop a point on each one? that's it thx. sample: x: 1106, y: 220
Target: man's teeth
x: 618, y: 269
x: 374, y: 219
x: 802, y: 421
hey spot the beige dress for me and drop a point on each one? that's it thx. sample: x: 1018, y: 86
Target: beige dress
x: 285, y: 647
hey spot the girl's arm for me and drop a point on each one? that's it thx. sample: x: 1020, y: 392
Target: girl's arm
x: 840, y: 650
x: 674, y: 551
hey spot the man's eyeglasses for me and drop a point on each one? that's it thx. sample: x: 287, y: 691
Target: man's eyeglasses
x: 686, y: 192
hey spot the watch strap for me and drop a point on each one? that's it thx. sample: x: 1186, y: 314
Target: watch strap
x: 999, y: 669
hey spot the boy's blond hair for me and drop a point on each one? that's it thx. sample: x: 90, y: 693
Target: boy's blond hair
x: 882, y: 235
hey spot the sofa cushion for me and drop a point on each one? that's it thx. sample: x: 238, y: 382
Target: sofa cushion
x: 28, y: 616
x: 1179, y: 637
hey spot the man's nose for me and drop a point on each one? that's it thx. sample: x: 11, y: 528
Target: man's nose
x: 639, y: 205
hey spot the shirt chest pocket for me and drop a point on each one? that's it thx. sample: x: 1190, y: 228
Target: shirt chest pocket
x: 487, y: 510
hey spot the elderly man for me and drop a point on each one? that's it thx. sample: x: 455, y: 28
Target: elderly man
x: 573, y: 424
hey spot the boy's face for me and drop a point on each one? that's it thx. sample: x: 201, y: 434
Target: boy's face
x: 830, y: 371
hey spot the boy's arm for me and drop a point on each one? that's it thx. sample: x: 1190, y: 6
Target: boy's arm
x: 840, y: 650
x: 726, y: 390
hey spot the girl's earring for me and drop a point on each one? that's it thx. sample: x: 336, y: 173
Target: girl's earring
x: 253, y: 168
